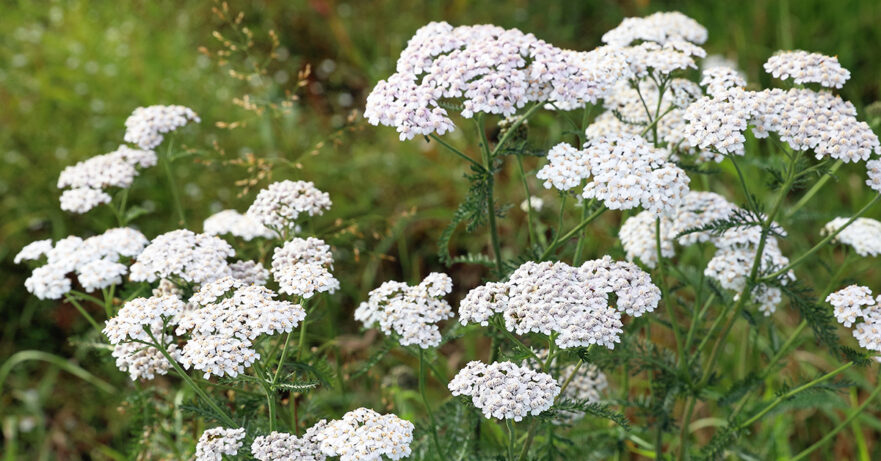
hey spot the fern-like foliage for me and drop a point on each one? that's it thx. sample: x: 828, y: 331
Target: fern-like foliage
x: 472, y: 211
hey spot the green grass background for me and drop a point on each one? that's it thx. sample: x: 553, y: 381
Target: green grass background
x: 72, y: 71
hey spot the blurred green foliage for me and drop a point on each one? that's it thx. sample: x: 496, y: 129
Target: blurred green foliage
x: 72, y: 71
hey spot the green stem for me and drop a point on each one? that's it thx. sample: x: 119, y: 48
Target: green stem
x: 579, y: 245
x: 514, y: 127
x: 183, y: 375
x: 490, y: 202
x: 813, y: 190
x: 434, y: 438
x: 457, y: 152
x: 529, y: 212
x: 557, y: 241
x: 511, y: 440
x: 665, y: 293
x: 84, y: 313
x: 839, y: 427
x: 270, y: 395
x: 696, y: 319
x: 823, y: 242
x: 777, y: 401
x: 284, y: 354
x: 172, y: 183
x: 683, y: 430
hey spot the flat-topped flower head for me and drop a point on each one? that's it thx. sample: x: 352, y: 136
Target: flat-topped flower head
x: 236, y: 224
x: 228, y: 307
x: 804, y: 67
x: 570, y: 301
x: 302, y: 267
x: 184, y: 255
x: 411, y: 312
x: 847, y: 303
x: 365, y: 435
x: 83, y: 199
x: 504, y: 390
x: 219, y: 355
x: 805, y: 119
x: 486, y: 69
x: 87, y: 179
x: 659, y: 27
x: 863, y: 234
x: 34, y: 251
x: 718, y: 80
x: 142, y: 361
x: 280, y: 205
x: 626, y: 172
x: 142, y: 317
x: 219, y: 441
x: 853, y: 303
x: 280, y: 446
x: 97, y: 261
x: 146, y: 126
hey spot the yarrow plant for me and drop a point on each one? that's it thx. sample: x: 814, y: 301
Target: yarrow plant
x: 574, y: 345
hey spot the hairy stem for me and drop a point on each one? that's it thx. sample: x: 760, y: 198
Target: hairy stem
x: 529, y: 211
x: 558, y: 241
x: 457, y: 152
x: 172, y: 184
x: 437, y: 445
x: 490, y: 202
x: 221, y: 415
x: 813, y: 190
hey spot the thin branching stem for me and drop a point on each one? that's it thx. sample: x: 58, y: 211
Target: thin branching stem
x: 819, y: 443
x: 457, y: 152
x: 172, y: 183
x: 821, y: 243
x: 434, y: 438
x: 490, y: 202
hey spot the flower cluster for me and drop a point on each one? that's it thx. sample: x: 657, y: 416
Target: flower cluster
x: 803, y: 67
x: 504, y: 390
x: 184, y: 255
x: 411, y: 312
x: 279, y: 205
x: 87, y: 180
x: 229, y: 316
x: 280, y: 446
x: 491, y: 70
x: 141, y: 318
x: 697, y: 209
x: 570, y: 301
x: 365, y: 435
x: 146, y: 126
x: 660, y: 28
x: 856, y: 301
x: 863, y: 234
x: 96, y: 261
x: 219, y: 441
x: 302, y: 268
x: 803, y: 118
x: 627, y: 172
x: 142, y: 361
x: 236, y: 224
